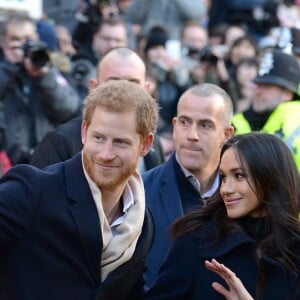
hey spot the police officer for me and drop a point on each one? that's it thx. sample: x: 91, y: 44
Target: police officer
x: 276, y: 107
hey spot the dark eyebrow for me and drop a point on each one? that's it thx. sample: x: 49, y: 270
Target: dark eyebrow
x: 239, y: 169
x: 198, y: 121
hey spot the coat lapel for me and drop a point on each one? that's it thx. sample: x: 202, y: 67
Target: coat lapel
x: 85, y: 215
x: 169, y: 192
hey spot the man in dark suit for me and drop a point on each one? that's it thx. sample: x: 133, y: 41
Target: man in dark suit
x: 65, y: 141
x: 202, y: 125
x: 76, y: 230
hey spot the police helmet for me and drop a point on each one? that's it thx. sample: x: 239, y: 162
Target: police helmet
x: 279, y: 68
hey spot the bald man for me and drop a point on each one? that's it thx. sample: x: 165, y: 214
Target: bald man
x: 65, y: 141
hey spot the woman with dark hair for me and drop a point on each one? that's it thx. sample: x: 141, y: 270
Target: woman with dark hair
x: 250, y: 225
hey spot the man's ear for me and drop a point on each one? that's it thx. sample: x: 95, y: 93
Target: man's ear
x: 229, y: 131
x: 147, y: 144
x: 148, y: 86
x: 83, y: 132
x: 93, y: 83
x: 287, y: 95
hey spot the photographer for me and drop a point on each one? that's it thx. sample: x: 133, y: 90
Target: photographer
x: 217, y: 64
x: 34, y: 95
x: 193, y: 38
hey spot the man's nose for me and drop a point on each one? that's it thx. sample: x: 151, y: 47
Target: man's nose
x: 193, y: 133
x: 107, y: 151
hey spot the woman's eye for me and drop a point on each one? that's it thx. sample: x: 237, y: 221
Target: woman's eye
x: 240, y: 175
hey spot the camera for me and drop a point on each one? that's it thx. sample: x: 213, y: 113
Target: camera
x: 37, y: 52
x: 203, y: 55
x: 206, y: 55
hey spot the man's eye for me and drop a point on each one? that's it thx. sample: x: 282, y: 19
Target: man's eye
x: 184, y: 122
x: 98, y: 137
x: 205, y: 125
x: 122, y: 142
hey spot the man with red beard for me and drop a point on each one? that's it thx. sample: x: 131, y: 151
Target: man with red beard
x: 65, y: 141
x: 79, y: 229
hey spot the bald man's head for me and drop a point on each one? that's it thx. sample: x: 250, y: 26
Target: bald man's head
x: 121, y: 63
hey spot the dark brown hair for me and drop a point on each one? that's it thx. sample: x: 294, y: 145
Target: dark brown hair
x: 276, y: 182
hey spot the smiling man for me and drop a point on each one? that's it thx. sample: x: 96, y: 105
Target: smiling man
x: 65, y: 141
x: 200, y: 128
x: 82, y: 223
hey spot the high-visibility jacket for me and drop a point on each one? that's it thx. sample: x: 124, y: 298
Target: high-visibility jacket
x: 284, y: 122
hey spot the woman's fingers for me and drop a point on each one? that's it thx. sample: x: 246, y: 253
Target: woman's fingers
x: 221, y: 270
x: 221, y: 290
x: 237, y: 290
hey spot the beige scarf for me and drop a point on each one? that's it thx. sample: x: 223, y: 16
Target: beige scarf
x: 119, y: 248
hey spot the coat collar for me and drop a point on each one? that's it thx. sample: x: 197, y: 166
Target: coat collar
x: 230, y: 242
x: 84, y: 213
x: 169, y: 192
x: 233, y: 240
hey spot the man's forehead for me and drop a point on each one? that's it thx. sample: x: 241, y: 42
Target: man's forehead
x: 20, y: 27
x: 194, y: 102
x: 116, y: 68
x: 18, y: 31
x: 113, y: 29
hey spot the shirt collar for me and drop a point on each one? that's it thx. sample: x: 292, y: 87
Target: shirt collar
x: 196, y: 183
x: 128, y: 201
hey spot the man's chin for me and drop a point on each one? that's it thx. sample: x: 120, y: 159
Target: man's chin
x: 190, y: 165
x: 191, y: 158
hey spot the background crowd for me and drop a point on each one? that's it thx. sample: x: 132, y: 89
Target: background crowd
x: 216, y: 69
x: 181, y: 42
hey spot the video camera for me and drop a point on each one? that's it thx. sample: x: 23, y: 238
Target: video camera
x: 37, y: 52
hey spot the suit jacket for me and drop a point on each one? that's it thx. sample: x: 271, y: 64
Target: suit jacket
x: 164, y: 201
x: 64, y: 142
x: 184, y: 276
x: 50, y: 239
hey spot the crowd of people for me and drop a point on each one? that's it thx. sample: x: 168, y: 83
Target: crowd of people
x: 151, y: 150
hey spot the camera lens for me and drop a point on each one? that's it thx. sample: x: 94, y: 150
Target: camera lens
x: 37, y: 52
x: 39, y: 58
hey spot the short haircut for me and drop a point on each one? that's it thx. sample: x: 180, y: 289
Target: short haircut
x: 208, y: 90
x: 121, y: 96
